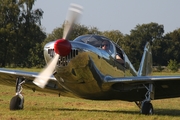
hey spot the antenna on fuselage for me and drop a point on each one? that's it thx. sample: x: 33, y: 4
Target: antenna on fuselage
x: 117, y: 40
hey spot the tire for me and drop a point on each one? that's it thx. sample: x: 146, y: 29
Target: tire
x: 15, y: 103
x: 147, y: 108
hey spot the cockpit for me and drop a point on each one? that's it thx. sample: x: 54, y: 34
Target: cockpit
x: 98, y: 41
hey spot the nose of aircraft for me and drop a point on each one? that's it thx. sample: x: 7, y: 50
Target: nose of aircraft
x: 62, y: 47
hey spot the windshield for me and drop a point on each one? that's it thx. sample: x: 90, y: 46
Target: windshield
x: 97, y: 41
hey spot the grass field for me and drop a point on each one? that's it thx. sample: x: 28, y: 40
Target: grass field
x: 46, y: 106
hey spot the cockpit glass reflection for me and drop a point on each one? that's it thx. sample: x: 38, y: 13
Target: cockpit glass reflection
x: 97, y: 41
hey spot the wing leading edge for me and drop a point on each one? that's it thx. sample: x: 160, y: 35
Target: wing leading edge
x: 165, y: 86
x: 8, y: 77
x: 141, y: 79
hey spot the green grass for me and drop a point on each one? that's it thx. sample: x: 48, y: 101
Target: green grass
x: 165, y: 73
x: 46, y: 106
x: 51, y: 107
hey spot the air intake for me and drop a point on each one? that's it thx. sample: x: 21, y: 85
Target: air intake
x: 64, y: 60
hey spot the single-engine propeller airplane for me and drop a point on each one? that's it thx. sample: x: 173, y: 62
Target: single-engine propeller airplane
x: 81, y: 68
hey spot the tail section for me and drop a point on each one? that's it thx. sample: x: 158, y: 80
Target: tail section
x: 145, y: 68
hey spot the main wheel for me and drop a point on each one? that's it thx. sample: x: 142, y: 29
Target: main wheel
x: 16, y: 103
x: 147, y: 108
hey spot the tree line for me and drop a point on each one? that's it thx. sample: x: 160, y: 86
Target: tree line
x: 21, y: 36
x: 22, y: 39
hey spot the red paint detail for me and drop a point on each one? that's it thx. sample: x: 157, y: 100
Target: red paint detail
x: 62, y: 47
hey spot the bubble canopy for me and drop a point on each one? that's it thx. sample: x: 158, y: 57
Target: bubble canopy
x: 97, y: 41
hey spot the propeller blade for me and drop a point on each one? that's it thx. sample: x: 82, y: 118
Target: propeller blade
x: 62, y: 47
x: 42, y: 79
x: 73, y: 15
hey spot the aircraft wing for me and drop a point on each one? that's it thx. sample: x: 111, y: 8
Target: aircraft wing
x: 8, y: 77
x: 165, y: 86
x: 142, y: 79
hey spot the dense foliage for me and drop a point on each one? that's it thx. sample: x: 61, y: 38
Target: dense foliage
x: 20, y: 34
x: 22, y: 39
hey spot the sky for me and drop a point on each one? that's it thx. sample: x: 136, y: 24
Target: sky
x: 122, y: 15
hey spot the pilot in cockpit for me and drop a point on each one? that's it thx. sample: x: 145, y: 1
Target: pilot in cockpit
x: 119, y: 59
x: 106, y: 46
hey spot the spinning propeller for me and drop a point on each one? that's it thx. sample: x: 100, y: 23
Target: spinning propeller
x: 62, y: 47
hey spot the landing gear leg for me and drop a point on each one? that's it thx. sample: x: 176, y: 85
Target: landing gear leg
x: 145, y: 105
x: 17, y: 102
